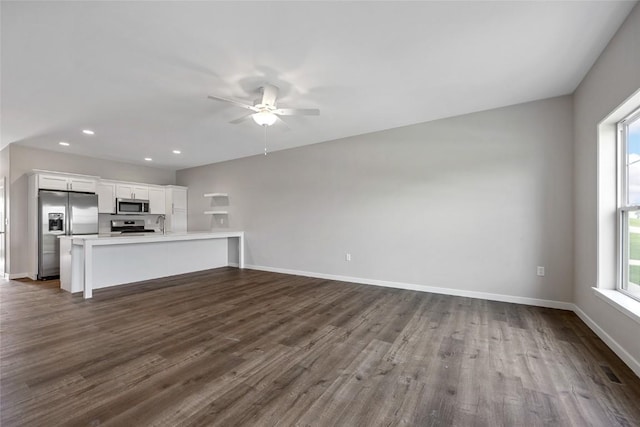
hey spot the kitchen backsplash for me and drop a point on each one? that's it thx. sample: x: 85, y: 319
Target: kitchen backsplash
x: 104, y: 221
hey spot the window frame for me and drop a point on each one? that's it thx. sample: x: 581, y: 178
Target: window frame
x: 624, y: 208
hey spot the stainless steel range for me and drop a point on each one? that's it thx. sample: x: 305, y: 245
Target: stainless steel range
x: 128, y: 226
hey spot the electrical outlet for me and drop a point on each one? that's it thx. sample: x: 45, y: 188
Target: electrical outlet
x: 347, y: 257
x: 540, y: 271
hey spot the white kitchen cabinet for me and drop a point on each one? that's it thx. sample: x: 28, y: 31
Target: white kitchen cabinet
x: 178, y: 222
x: 176, y: 209
x: 179, y: 199
x: 53, y: 182
x: 106, y: 192
x: 141, y: 192
x: 85, y: 185
x: 124, y: 191
x: 132, y: 191
x: 66, y: 182
x: 157, y: 202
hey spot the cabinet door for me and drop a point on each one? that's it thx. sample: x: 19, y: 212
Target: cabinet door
x: 179, y: 222
x: 140, y: 192
x: 179, y: 199
x: 53, y: 182
x: 124, y: 191
x: 85, y: 185
x: 156, y: 201
x: 106, y: 197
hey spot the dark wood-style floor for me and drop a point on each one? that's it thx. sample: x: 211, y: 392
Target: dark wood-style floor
x: 232, y: 347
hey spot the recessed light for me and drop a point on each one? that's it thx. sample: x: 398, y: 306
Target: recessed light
x: 66, y: 144
x: 148, y: 159
x: 88, y: 132
x: 177, y: 151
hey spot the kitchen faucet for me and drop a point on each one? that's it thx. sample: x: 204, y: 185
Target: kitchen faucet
x: 158, y: 221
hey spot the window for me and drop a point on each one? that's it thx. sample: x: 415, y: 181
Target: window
x: 629, y: 204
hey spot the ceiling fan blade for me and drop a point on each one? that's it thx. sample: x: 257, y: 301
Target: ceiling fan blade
x: 241, y: 119
x: 297, y: 112
x: 239, y: 104
x: 283, y: 123
x: 269, y: 94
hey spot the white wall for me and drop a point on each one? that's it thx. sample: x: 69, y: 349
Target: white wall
x: 25, y: 159
x: 471, y: 203
x: 613, y: 78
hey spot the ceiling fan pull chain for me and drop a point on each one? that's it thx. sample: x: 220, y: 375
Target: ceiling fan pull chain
x: 265, y: 139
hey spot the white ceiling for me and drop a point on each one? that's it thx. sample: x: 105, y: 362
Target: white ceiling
x: 138, y: 73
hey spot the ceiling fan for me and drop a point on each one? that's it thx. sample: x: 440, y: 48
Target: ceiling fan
x: 264, y: 111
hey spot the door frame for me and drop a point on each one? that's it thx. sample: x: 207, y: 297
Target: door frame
x: 3, y: 227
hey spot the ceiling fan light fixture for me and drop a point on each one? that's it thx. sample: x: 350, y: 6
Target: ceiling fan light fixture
x: 264, y: 118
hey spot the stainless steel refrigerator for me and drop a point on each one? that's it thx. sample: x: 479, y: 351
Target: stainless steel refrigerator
x: 62, y: 213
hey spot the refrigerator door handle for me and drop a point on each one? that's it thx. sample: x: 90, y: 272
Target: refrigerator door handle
x: 69, y: 220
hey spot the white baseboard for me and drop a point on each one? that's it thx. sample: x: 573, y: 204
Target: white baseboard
x: 234, y: 264
x: 424, y: 288
x: 17, y: 276
x: 613, y: 344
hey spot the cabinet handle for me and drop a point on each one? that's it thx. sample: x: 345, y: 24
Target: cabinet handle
x: 172, y: 209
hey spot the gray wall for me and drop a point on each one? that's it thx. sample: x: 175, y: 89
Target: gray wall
x: 472, y: 203
x: 613, y: 78
x: 25, y: 159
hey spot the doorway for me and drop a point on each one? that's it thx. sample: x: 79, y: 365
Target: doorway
x: 2, y: 228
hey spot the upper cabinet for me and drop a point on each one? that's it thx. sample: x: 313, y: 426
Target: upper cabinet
x: 106, y: 192
x: 160, y: 197
x: 109, y: 191
x: 157, y: 200
x: 132, y: 191
x: 50, y: 181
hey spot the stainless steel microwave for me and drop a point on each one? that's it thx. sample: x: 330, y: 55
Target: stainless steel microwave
x: 132, y: 206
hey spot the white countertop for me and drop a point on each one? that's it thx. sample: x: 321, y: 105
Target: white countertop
x: 122, y: 239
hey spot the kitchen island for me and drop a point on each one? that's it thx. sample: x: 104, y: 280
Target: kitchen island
x: 99, y: 261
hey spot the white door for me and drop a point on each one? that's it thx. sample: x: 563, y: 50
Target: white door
x: 2, y: 228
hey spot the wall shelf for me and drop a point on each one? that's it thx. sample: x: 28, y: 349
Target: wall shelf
x: 216, y: 212
x: 216, y: 195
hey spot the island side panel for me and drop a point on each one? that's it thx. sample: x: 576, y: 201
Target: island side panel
x: 65, y: 263
x: 127, y: 263
x: 77, y: 268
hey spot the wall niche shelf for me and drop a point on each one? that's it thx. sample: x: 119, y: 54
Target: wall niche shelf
x: 216, y: 195
x: 216, y: 212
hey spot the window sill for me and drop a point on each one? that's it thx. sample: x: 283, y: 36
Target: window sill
x: 620, y: 302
